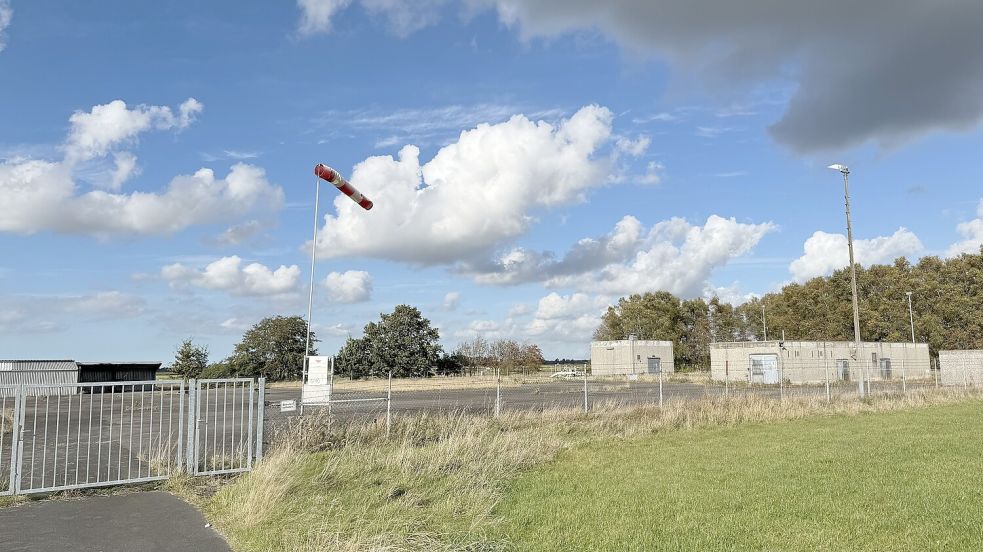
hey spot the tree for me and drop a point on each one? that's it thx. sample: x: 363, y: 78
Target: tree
x: 273, y: 348
x: 402, y: 341
x: 190, y: 359
x: 473, y: 352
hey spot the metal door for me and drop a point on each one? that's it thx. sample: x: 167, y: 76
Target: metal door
x: 764, y: 368
x: 654, y: 365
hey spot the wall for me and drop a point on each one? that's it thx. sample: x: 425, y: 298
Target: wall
x: 809, y: 361
x: 610, y: 358
x: 961, y: 367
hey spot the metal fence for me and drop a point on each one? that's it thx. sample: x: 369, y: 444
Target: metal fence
x: 379, y: 400
x: 68, y: 436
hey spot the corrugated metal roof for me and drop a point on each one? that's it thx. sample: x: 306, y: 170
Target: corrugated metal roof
x: 37, y: 365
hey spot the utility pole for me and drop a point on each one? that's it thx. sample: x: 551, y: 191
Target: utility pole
x: 911, y: 316
x: 845, y: 171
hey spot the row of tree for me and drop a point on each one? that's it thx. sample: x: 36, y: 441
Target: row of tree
x: 507, y: 356
x: 947, y: 305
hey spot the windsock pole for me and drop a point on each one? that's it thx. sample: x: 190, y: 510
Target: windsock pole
x: 328, y: 174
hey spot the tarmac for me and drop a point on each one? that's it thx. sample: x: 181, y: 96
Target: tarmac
x: 137, y: 521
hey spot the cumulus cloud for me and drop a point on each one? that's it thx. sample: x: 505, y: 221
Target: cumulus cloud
x: 228, y: 274
x: 972, y: 234
x: 316, y: 14
x: 352, y: 286
x: 40, y: 195
x: 520, y: 265
x: 673, y: 255
x: 825, y: 252
x: 473, y: 194
x: 567, y: 318
x: 95, y: 132
x: 43, y: 195
x: 6, y: 15
x: 860, y: 77
x: 451, y: 300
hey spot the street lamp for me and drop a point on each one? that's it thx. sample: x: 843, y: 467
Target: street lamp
x: 911, y: 316
x: 845, y: 171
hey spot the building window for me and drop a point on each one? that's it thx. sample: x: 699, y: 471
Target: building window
x: 638, y: 357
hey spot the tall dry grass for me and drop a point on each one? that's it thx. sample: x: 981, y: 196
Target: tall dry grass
x: 434, y: 482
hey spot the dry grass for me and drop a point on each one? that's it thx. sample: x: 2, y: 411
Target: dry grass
x: 435, y: 482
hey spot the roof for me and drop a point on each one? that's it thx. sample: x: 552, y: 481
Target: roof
x: 131, y: 365
x: 625, y: 343
x: 811, y: 344
x: 37, y: 365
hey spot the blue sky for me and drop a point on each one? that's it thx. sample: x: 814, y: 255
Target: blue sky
x: 530, y: 162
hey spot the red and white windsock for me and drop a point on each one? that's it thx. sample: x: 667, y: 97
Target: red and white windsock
x: 327, y: 173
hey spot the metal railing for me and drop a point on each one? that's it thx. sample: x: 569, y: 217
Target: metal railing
x: 55, y: 437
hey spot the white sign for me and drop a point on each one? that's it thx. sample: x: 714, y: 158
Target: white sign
x: 632, y: 377
x: 318, y: 370
x: 288, y: 406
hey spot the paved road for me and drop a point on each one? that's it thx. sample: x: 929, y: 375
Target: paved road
x: 138, y: 522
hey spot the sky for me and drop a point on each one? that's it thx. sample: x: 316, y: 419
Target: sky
x: 530, y: 161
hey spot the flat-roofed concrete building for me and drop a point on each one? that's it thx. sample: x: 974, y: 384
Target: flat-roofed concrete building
x: 630, y: 356
x: 963, y: 367
x: 811, y: 361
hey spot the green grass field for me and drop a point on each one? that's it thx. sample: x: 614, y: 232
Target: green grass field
x: 909, y: 480
x: 892, y: 473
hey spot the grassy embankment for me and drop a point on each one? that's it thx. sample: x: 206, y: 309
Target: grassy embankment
x: 894, y: 473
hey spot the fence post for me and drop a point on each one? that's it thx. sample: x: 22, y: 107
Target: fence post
x: 904, y: 379
x: 189, y: 461
x: 17, y: 439
x: 660, y: 385
x: 180, y: 425
x: 726, y: 378
x: 829, y: 398
x: 586, y: 406
x: 389, y: 403
x: 260, y: 418
x: 498, y: 391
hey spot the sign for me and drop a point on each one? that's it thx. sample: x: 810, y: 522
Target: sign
x: 288, y: 406
x: 318, y: 370
x: 632, y: 377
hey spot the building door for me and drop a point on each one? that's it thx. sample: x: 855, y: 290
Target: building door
x: 654, y: 365
x: 764, y: 368
x: 885, y: 368
x: 843, y: 369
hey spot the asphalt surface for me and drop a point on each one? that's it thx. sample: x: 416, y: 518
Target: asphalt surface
x: 138, y: 522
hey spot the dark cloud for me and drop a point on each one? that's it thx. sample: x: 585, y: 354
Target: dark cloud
x: 880, y: 70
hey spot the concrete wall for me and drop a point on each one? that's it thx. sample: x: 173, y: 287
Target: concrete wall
x: 961, y: 367
x: 809, y: 361
x: 613, y: 358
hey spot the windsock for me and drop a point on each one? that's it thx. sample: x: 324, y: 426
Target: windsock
x: 327, y: 173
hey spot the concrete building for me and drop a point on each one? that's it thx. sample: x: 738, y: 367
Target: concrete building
x: 630, y: 356
x: 810, y: 361
x: 961, y: 367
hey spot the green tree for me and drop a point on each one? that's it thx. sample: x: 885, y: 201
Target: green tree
x: 273, y: 348
x: 402, y: 341
x: 190, y: 359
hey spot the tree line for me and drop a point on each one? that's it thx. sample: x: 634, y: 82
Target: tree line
x: 403, y: 342
x: 947, y: 306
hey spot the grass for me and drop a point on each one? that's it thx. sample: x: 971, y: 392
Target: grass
x: 444, y: 482
x: 910, y: 480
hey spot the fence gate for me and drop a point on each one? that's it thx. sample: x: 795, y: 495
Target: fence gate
x: 228, y: 414
x: 56, y: 437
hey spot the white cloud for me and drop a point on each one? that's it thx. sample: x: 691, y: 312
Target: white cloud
x: 316, y: 14
x: 826, y: 252
x: 473, y: 194
x: 352, y: 286
x: 634, y: 147
x: 126, y: 167
x: 40, y: 195
x: 6, y: 15
x: 228, y: 274
x: 567, y: 318
x: 95, y: 133
x: 239, y: 233
x: 972, y: 234
x: 451, y: 300
x: 46, y: 313
x: 673, y: 255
